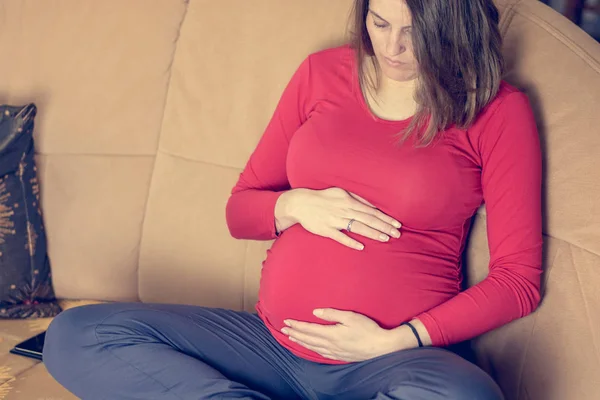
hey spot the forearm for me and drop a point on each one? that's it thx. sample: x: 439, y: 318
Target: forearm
x: 502, y: 297
x: 499, y: 299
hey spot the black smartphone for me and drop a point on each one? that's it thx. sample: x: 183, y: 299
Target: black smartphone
x: 31, y: 347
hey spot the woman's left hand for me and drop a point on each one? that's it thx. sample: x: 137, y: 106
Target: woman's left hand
x: 354, y: 338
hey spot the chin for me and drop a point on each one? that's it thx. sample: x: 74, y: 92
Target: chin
x: 399, y: 75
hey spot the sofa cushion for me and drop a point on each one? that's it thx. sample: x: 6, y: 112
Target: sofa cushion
x: 23, y: 377
x: 35, y: 383
x: 25, y: 279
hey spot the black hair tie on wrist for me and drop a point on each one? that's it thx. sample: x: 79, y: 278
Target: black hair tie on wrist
x: 412, y: 328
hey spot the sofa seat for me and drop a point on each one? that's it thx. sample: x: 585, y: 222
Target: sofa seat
x: 23, y: 378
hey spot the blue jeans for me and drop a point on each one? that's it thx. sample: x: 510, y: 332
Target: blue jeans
x: 141, y: 351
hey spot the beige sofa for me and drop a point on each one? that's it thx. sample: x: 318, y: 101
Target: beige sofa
x: 148, y: 110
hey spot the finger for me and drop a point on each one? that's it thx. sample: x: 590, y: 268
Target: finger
x: 323, y: 352
x: 333, y: 315
x: 373, y: 223
x: 364, y: 230
x: 318, y: 330
x: 334, y: 357
x: 345, y: 239
x: 365, y: 207
x: 308, y: 339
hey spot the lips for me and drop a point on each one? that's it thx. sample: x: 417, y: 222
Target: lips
x: 394, y: 63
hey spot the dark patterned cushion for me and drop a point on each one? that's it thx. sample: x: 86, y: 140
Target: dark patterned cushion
x: 25, y: 279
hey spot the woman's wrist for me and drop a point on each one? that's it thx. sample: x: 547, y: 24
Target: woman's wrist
x: 285, y: 210
x: 403, y: 337
x: 421, y: 331
x: 397, y: 339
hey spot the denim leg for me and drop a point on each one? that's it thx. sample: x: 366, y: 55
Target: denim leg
x: 151, y: 351
x: 416, y: 374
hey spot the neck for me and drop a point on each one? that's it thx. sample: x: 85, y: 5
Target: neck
x: 393, y: 99
x: 389, y: 88
x: 396, y: 90
x: 400, y: 86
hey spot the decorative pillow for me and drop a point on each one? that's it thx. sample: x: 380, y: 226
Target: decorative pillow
x: 25, y: 280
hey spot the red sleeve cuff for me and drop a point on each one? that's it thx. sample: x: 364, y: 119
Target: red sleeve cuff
x: 268, y: 217
x: 436, y: 335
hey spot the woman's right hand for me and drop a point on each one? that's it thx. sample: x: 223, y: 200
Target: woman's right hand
x: 327, y: 212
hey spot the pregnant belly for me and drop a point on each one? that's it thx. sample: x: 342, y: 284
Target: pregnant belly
x: 388, y: 282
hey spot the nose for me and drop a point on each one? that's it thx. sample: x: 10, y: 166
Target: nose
x: 396, y: 44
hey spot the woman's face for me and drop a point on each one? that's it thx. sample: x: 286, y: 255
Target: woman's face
x: 389, y: 26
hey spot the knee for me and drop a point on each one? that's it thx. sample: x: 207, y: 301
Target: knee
x: 69, y: 335
x: 474, y: 388
x: 464, y: 389
x: 438, y: 374
x: 471, y: 382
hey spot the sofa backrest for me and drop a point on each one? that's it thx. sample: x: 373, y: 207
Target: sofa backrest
x: 148, y: 112
x: 555, y: 352
x: 99, y: 73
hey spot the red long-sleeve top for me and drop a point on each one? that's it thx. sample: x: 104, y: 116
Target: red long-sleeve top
x: 324, y: 135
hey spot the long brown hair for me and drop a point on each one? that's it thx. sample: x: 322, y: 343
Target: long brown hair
x: 458, y: 48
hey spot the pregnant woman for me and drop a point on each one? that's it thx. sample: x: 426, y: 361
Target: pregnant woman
x: 368, y: 175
